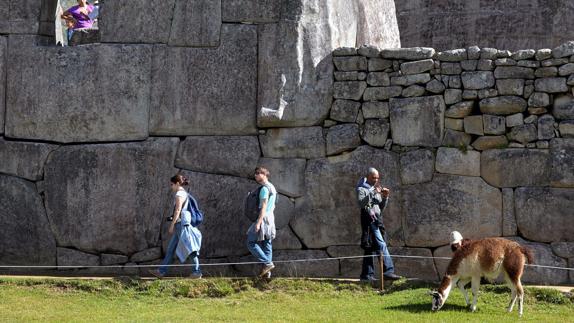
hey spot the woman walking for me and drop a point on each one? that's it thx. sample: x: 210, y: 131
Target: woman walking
x: 186, y: 239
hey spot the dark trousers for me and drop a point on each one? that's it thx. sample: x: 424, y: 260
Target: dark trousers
x: 379, y: 248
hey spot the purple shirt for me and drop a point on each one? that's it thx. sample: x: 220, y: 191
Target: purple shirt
x: 82, y: 21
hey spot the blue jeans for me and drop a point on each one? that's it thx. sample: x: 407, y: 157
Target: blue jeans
x: 368, y: 269
x: 171, y: 252
x: 262, y: 250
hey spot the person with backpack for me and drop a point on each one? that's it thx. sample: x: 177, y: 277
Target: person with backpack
x: 186, y: 238
x: 262, y: 231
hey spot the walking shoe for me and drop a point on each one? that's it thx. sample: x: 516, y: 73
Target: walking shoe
x: 369, y: 279
x: 195, y: 276
x: 267, y: 268
x: 392, y: 276
x: 155, y: 273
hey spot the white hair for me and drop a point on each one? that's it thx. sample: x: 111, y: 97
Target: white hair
x: 372, y: 171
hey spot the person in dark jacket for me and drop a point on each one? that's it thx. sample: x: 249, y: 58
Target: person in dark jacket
x: 372, y: 199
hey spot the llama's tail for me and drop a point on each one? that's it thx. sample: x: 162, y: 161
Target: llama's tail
x: 528, y: 253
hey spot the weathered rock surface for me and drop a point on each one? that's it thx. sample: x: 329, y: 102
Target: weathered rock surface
x: 543, y: 255
x: 448, y: 203
x: 420, y: 268
x: 295, y: 68
x: 562, y: 159
x: 375, y: 110
x: 515, y: 167
x: 251, y: 11
x: 286, y: 240
x: 196, y: 23
x: 473, y: 125
x: 222, y: 204
x: 3, y: 69
x: 192, y: 93
x: 523, y: 134
x: 375, y: 132
x: 350, y: 63
x: 417, y: 67
x: 119, y: 73
x: 23, y: 215
x: 551, y: 85
x: 228, y: 155
x: 107, y: 259
x: 459, y: 110
x: 494, y: 125
x: 24, y: 159
x: 513, y: 72
x: 351, y: 90
x: 412, y: 54
x: 345, y: 110
x: 88, y: 197
x: 350, y: 268
x: 566, y: 128
x: 509, y: 227
x: 563, y: 249
x: 343, y: 137
x: 19, y: 16
x: 304, y: 142
x: 287, y: 174
x: 382, y: 93
x: 440, y: 263
x: 72, y: 257
x: 146, y: 255
x: 502, y: 105
x: 563, y: 108
x: 453, y: 138
x: 417, y: 121
x: 477, y: 80
x: 328, y: 213
x: 490, y: 142
x: 417, y: 166
x: 132, y: 21
x: 456, y: 162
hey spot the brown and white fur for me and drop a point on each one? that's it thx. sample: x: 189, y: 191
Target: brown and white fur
x: 484, y: 258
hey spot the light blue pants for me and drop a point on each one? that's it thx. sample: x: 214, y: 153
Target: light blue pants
x: 262, y: 250
x: 170, y: 253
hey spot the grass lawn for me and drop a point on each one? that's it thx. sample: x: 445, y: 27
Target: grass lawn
x: 59, y: 300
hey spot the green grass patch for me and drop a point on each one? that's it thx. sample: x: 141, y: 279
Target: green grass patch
x: 280, y: 300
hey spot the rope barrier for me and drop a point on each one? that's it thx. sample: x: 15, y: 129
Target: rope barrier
x: 245, y: 263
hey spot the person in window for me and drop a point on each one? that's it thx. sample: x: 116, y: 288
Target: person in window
x: 80, y: 16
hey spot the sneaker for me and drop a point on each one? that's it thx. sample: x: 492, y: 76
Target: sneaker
x: 392, y: 276
x: 268, y: 275
x: 267, y: 268
x: 156, y: 273
x: 195, y: 276
x: 369, y: 279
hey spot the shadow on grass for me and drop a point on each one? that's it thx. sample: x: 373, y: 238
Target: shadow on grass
x: 426, y: 308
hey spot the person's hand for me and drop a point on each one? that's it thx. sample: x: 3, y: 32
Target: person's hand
x: 386, y: 192
x: 171, y: 228
x: 378, y: 189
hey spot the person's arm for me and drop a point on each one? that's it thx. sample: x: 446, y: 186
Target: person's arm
x: 67, y: 15
x: 176, y: 212
x: 364, y: 196
x: 263, y: 196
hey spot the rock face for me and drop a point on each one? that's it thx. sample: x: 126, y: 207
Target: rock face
x: 24, y: 159
x: 465, y: 204
x: 287, y: 174
x: 192, y: 93
x: 543, y: 214
x: 295, y: 69
x: 343, y: 137
x: 196, y: 23
x: 211, y: 154
x: 23, y: 215
x: 71, y: 257
x: 250, y: 11
x: 34, y: 107
x: 88, y: 197
x: 322, y: 221
x: 414, y: 267
x: 562, y: 156
x: 499, y: 168
x: 543, y: 255
x: 19, y: 16
x: 417, y: 121
x: 3, y: 55
x: 453, y: 161
x: 224, y: 227
x: 305, y: 142
x: 446, y: 25
x: 417, y: 166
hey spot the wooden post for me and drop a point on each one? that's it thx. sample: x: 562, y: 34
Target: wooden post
x: 382, y: 263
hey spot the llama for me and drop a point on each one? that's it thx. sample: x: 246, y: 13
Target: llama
x: 484, y: 258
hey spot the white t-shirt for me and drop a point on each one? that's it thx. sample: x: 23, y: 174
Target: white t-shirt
x: 180, y: 193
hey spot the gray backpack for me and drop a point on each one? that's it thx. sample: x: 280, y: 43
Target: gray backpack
x: 251, y: 204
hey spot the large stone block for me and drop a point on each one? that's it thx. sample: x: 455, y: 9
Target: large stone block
x: 442, y: 259
x: 196, y: 23
x: 251, y: 11
x: 503, y: 105
x: 417, y: 166
x: 136, y: 21
x: 563, y: 107
x: 543, y: 255
x: 456, y: 162
x: 412, y: 54
x: 551, y: 85
x: 490, y: 142
x: 349, y: 268
x: 286, y: 240
x: 417, y: 121
x: 515, y: 167
x: 328, y: 214
x: 562, y: 159
x: 513, y: 72
x: 287, y: 174
x: 72, y: 257
x: 25, y: 233
x: 421, y: 268
x: 448, y: 203
x: 509, y: 227
x: 19, y: 16
x: 3, y: 68
x: 107, y: 99
x: 193, y: 93
x: 477, y: 80
x: 109, y: 197
x: 375, y: 132
x: 230, y: 155
x: 304, y: 142
x: 295, y: 66
x: 343, y: 137
x: 523, y: 134
x: 24, y: 159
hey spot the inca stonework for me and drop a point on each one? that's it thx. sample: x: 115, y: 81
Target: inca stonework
x: 478, y: 140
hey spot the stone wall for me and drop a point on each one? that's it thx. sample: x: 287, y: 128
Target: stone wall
x: 505, y: 24
x: 477, y: 140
